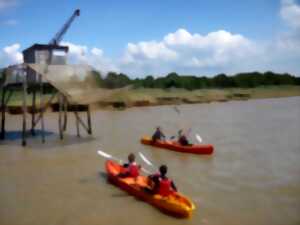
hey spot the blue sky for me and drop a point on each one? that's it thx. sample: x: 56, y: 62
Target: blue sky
x: 101, y: 35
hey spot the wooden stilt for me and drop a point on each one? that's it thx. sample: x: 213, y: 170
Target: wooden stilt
x: 81, y: 122
x: 60, y: 96
x: 33, y: 110
x: 89, y: 120
x: 3, y: 109
x: 24, y: 108
x: 10, y: 92
x: 45, y: 108
x: 65, y: 113
x: 77, y: 121
x: 41, y: 108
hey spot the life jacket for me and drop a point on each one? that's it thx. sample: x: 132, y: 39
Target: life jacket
x: 183, y: 140
x: 133, y: 170
x: 165, y: 187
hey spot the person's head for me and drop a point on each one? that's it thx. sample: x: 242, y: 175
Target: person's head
x: 158, y: 128
x: 131, y: 157
x: 180, y: 132
x: 163, y: 169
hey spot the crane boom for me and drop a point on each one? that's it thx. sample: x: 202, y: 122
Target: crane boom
x: 59, y: 35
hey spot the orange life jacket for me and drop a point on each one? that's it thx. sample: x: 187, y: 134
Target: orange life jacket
x: 165, y: 187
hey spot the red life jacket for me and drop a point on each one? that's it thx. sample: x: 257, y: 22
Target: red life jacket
x: 165, y: 187
x: 133, y: 170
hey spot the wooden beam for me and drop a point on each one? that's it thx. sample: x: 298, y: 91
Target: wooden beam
x: 24, y: 107
x: 45, y: 108
x: 33, y: 108
x: 81, y: 122
x: 65, y: 113
x: 89, y: 120
x: 8, y: 97
x: 41, y: 107
x: 60, y: 96
x: 77, y: 121
x: 3, y: 109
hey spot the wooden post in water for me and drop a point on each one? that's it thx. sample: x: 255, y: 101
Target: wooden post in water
x: 3, y: 109
x: 41, y: 109
x: 24, y: 107
x: 77, y: 120
x: 89, y: 119
x: 60, y: 105
x: 65, y: 113
x: 33, y: 108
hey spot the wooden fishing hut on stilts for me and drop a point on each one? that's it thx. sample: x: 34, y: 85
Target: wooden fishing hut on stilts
x: 23, y: 78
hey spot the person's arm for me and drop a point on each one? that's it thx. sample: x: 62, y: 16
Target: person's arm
x: 124, y: 174
x: 173, y: 186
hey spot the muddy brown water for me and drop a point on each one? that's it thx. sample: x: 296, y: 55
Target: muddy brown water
x: 253, y: 177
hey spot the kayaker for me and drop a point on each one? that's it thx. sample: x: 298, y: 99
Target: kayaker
x: 161, y: 184
x: 131, y: 169
x: 158, y: 135
x: 182, y: 139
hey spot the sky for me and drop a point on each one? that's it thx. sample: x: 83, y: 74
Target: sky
x: 142, y: 37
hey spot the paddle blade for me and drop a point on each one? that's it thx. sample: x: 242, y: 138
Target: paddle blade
x: 145, y: 159
x: 176, y: 109
x: 198, y: 138
x: 104, y: 154
x: 146, y: 171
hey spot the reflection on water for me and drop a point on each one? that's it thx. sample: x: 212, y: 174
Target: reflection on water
x: 16, y: 135
x: 253, y: 177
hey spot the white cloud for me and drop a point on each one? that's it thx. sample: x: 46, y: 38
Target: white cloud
x: 7, y: 4
x: 97, y: 52
x: 214, y: 40
x: 81, y: 54
x: 286, y: 50
x: 77, y: 53
x: 290, y: 13
x: 151, y: 50
x: 183, y: 51
x: 11, y: 55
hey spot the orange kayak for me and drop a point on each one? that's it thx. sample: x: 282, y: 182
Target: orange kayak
x: 175, y: 146
x: 175, y: 204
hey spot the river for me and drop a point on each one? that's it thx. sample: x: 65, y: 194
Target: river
x: 252, y: 178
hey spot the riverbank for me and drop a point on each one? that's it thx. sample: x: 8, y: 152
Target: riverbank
x: 151, y: 97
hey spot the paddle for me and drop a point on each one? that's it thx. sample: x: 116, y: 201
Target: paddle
x: 147, y: 161
x: 198, y: 138
x: 176, y: 109
x: 108, y: 156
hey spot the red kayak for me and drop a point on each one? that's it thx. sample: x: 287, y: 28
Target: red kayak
x: 175, y: 146
x: 175, y: 204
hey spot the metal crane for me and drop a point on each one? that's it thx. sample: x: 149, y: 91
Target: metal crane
x: 59, y: 35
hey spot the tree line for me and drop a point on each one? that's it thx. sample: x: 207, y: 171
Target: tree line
x: 191, y: 82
